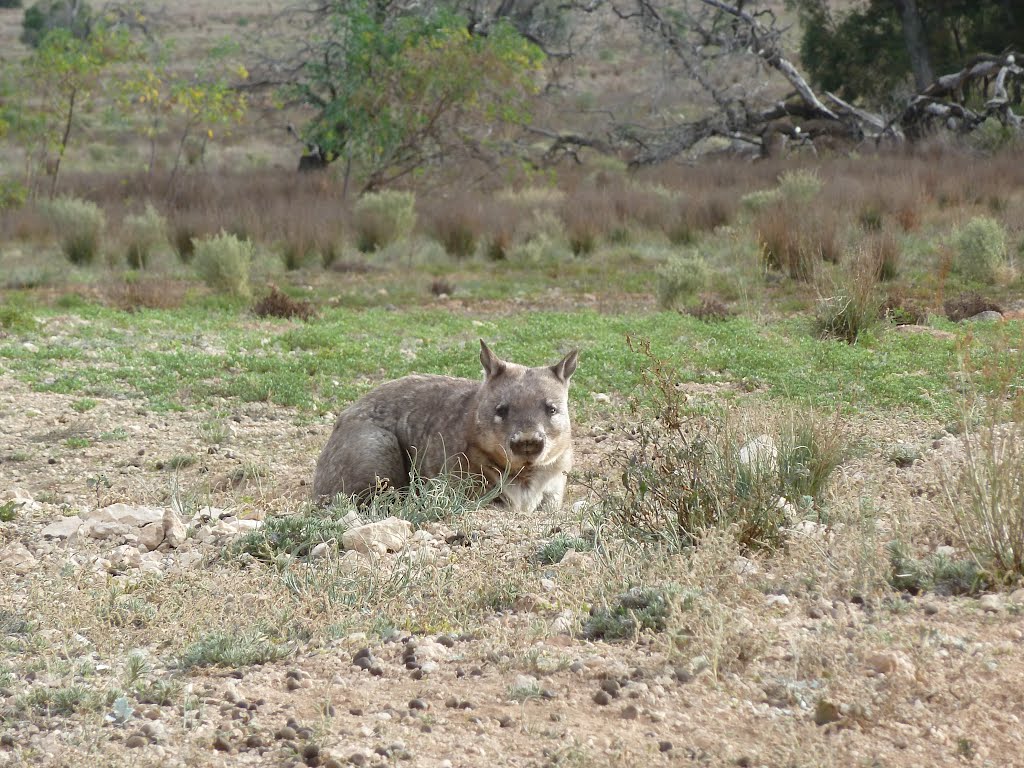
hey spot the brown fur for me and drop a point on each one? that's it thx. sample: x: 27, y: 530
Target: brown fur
x: 513, y: 429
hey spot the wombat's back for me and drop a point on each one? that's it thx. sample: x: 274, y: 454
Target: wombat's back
x: 420, y: 418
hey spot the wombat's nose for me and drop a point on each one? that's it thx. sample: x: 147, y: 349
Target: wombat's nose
x: 527, y: 446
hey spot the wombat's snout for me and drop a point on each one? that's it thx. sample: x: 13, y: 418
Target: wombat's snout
x: 527, y: 446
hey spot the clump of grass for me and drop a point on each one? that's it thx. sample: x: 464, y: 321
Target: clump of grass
x: 383, y: 218
x: 62, y: 701
x: 979, y: 249
x: 986, y: 497
x: 640, y: 609
x: 854, y: 307
x: 900, y: 310
x: 223, y: 262
x: 710, y: 309
x: 936, y: 573
x: 144, y: 233
x: 233, y: 649
x: 882, y: 249
x: 681, y: 279
x: 456, y: 226
x: 795, y: 239
x: 800, y: 186
x: 79, y: 226
x: 276, y: 303
x: 694, y: 468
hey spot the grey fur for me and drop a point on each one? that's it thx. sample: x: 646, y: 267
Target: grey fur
x: 513, y: 429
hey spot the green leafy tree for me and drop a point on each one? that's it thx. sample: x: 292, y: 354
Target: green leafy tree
x: 65, y: 73
x: 394, y: 92
x: 195, y: 107
x: 41, y: 18
x: 880, y: 50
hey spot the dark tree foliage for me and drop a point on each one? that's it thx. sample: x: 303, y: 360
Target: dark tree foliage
x: 46, y: 15
x: 865, y: 54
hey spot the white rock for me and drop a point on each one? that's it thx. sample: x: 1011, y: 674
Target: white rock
x: 760, y: 453
x: 600, y: 397
x: 744, y: 566
x: 780, y: 600
x: 946, y: 551
x: 1017, y: 596
x: 991, y: 603
x: 352, y: 520
x: 389, y: 535
x: 321, y: 550
x: 62, y: 528
x: 126, y: 514
x: 103, y: 529
x: 810, y: 529
x: 151, y: 535
x: 175, y: 532
x: 17, y: 557
x: 562, y: 624
x: 430, y: 650
x: 574, y: 559
x: 525, y: 683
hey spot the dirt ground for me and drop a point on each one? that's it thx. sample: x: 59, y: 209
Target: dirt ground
x: 768, y: 649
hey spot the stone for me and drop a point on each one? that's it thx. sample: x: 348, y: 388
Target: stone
x: 151, y: 535
x: 104, y: 529
x: 991, y: 603
x: 62, y: 528
x: 388, y: 535
x: 988, y: 316
x: 175, y: 532
x: 1017, y: 597
x: 562, y: 624
x: 760, y: 453
x: 826, y: 712
x: 602, y: 698
x: 126, y: 514
x: 882, y: 663
x: 17, y: 557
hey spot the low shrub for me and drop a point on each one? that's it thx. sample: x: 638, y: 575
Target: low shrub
x: 383, y: 218
x: 979, y: 249
x: 223, y: 262
x: 144, y: 233
x: 79, y: 226
x: 967, y: 305
x: 795, y: 239
x: 277, y: 303
x: 855, y: 306
x: 640, y: 609
x: 680, y: 279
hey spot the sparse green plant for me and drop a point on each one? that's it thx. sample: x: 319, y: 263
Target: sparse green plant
x: 121, y: 608
x: 13, y: 194
x: 79, y: 226
x: 180, y: 461
x: 640, y: 609
x: 84, y: 404
x: 980, y: 249
x: 383, y: 218
x: 455, y: 227
x: 9, y: 510
x: 904, y: 455
x: 525, y: 692
x: 236, y: 649
x: 554, y: 550
x: 681, y: 279
x: 62, y: 701
x: 77, y: 442
x: 223, y: 262
x: 144, y: 233
x: 762, y: 198
x: 935, y: 573
x: 293, y: 536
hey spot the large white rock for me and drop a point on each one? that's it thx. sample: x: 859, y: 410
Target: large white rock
x: 62, y: 528
x: 175, y: 532
x: 388, y: 535
x: 125, y: 514
x: 17, y: 557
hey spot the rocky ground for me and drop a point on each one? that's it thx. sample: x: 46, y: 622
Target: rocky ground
x: 452, y: 644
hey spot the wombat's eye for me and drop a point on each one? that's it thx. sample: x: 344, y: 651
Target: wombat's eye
x: 501, y: 411
x: 552, y: 410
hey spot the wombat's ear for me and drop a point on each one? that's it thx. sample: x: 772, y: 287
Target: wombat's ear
x: 565, y: 367
x: 492, y: 364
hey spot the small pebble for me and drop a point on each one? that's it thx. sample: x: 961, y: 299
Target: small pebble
x: 664, y: 746
x: 506, y: 721
x: 418, y: 704
x: 630, y: 712
x: 138, y: 740
x: 611, y: 687
x: 602, y: 698
x: 357, y: 758
x: 285, y: 734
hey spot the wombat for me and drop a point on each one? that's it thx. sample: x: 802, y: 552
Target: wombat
x: 512, y: 429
